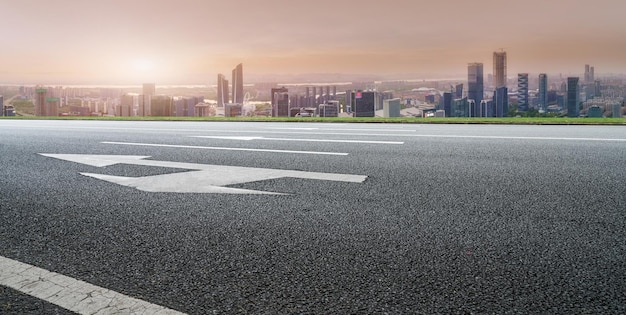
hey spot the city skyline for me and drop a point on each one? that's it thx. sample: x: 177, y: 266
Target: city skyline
x: 189, y: 42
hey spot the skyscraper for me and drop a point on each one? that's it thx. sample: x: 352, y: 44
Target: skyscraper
x: 543, y: 92
x: 40, y: 102
x: 162, y: 106
x: 499, y: 68
x: 522, y: 91
x: 501, y: 101
x: 280, y: 102
x: 237, y: 83
x: 572, y: 96
x: 475, y: 86
x: 458, y: 90
x: 149, y: 90
x: 365, y: 103
x: 222, y: 90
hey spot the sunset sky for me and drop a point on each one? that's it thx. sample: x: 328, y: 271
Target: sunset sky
x: 190, y: 41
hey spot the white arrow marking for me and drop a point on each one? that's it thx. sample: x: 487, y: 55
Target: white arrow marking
x: 223, y: 148
x: 203, y: 178
x: 299, y: 140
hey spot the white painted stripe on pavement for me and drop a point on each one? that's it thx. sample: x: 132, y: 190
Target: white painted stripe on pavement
x: 423, y: 135
x: 298, y: 140
x: 520, y: 138
x: 344, y: 129
x: 223, y: 148
x: 326, y: 133
x: 72, y: 294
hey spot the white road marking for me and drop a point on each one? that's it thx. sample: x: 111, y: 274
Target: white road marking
x: 298, y: 140
x: 203, y: 178
x: 421, y: 135
x: 344, y: 129
x: 223, y: 148
x: 72, y: 294
x: 520, y: 138
x: 323, y: 133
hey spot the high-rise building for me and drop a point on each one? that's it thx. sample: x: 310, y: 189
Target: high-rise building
x: 499, y: 68
x: 447, y: 104
x: 162, y: 106
x: 149, y: 90
x: 222, y: 90
x: 125, y: 108
x: 391, y: 108
x: 460, y: 107
x: 329, y: 109
x: 280, y: 102
x: 2, y: 110
x: 237, y: 83
x: 501, y: 101
x: 458, y: 90
x: 522, y: 92
x: 543, y: 92
x: 572, y: 97
x: 365, y: 103
x: 41, y: 107
x: 475, y: 86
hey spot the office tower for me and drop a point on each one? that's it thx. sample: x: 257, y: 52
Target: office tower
x: 543, y: 92
x: 52, y: 106
x: 126, y: 105
x: 486, y: 108
x: 501, y: 101
x: 365, y: 104
x: 280, y: 102
x: 238, y: 84
x: 597, y: 88
x: 592, y: 76
x: 586, y: 76
x: 447, y: 104
x: 460, y: 107
x: 307, y: 97
x: 222, y: 90
x: 314, y: 99
x: 41, y: 106
x: 522, y: 92
x: 499, y: 68
x: 458, y: 90
x: 327, y: 93
x: 2, y: 110
x: 329, y: 109
x: 391, y: 107
x: 149, y: 90
x: 475, y: 86
x: 572, y: 97
x: 161, y: 106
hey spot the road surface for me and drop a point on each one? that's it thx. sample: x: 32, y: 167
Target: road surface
x: 396, y: 218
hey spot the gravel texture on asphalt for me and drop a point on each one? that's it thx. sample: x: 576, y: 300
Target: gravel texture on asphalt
x: 441, y: 225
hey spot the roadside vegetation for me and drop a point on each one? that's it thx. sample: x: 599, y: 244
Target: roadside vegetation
x: 407, y: 120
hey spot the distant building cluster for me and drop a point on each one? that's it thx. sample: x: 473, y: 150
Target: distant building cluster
x: 477, y: 97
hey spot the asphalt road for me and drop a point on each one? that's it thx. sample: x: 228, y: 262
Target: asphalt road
x: 454, y: 219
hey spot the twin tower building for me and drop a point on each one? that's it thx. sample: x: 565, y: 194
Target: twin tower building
x: 476, y: 104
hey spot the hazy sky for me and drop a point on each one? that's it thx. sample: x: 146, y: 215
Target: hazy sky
x: 190, y: 41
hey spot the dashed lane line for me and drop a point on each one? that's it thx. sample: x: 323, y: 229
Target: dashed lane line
x: 72, y: 294
x: 298, y: 140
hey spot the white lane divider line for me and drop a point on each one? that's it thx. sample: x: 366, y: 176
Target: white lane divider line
x: 298, y: 140
x: 72, y: 294
x: 223, y: 148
